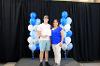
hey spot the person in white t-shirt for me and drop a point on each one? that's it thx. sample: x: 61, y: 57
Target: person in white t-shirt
x: 44, y: 33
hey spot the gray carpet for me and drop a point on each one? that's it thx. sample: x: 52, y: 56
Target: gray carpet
x: 35, y: 62
x: 1, y: 64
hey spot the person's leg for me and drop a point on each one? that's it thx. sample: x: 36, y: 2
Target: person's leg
x: 46, y: 56
x: 42, y: 48
x: 46, y: 59
x: 54, y: 51
x: 47, y: 49
x: 41, y: 56
x: 58, y: 54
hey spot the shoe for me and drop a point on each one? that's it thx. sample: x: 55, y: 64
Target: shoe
x: 47, y: 64
x: 41, y: 64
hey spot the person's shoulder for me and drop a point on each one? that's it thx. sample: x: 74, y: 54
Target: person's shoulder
x: 49, y: 25
x: 60, y: 28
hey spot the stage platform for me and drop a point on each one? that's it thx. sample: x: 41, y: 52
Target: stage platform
x: 35, y: 62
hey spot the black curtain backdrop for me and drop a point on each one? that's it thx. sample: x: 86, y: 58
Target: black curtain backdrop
x: 14, y: 19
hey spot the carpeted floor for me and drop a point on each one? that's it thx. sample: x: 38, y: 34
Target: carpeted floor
x: 1, y: 64
x: 35, y: 62
x: 8, y: 64
x: 68, y: 62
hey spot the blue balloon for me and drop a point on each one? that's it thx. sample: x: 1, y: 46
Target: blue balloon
x: 63, y: 21
x: 32, y: 47
x: 33, y: 15
x: 32, y: 21
x: 69, y: 33
x: 33, y: 34
x: 38, y: 21
x: 64, y: 14
x: 69, y: 46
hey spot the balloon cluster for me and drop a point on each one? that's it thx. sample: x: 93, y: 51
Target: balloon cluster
x: 66, y: 25
x: 32, y: 27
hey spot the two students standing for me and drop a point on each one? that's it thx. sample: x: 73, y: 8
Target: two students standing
x: 49, y: 36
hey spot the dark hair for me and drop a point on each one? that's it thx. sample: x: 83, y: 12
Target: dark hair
x: 57, y: 21
x: 45, y: 16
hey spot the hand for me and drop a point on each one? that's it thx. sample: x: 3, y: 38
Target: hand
x: 60, y: 44
x: 38, y: 33
x: 50, y: 45
x: 44, y: 36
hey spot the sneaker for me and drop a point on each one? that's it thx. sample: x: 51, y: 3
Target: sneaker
x: 41, y: 64
x: 47, y: 64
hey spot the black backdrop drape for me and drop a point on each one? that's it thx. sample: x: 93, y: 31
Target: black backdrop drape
x: 14, y: 17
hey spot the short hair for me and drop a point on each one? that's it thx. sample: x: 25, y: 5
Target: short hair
x: 45, y: 16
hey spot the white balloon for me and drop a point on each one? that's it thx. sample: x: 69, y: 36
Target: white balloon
x: 32, y: 47
x: 69, y: 20
x: 67, y: 40
x: 64, y: 46
x: 32, y: 41
x: 67, y: 27
x: 30, y: 28
x: 38, y: 21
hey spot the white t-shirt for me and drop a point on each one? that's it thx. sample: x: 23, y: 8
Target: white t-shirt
x: 45, y: 30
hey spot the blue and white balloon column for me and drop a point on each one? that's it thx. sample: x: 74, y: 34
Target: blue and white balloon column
x: 33, y: 38
x: 66, y: 25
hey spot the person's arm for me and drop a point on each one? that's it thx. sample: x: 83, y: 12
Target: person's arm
x: 62, y: 37
x: 38, y: 33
